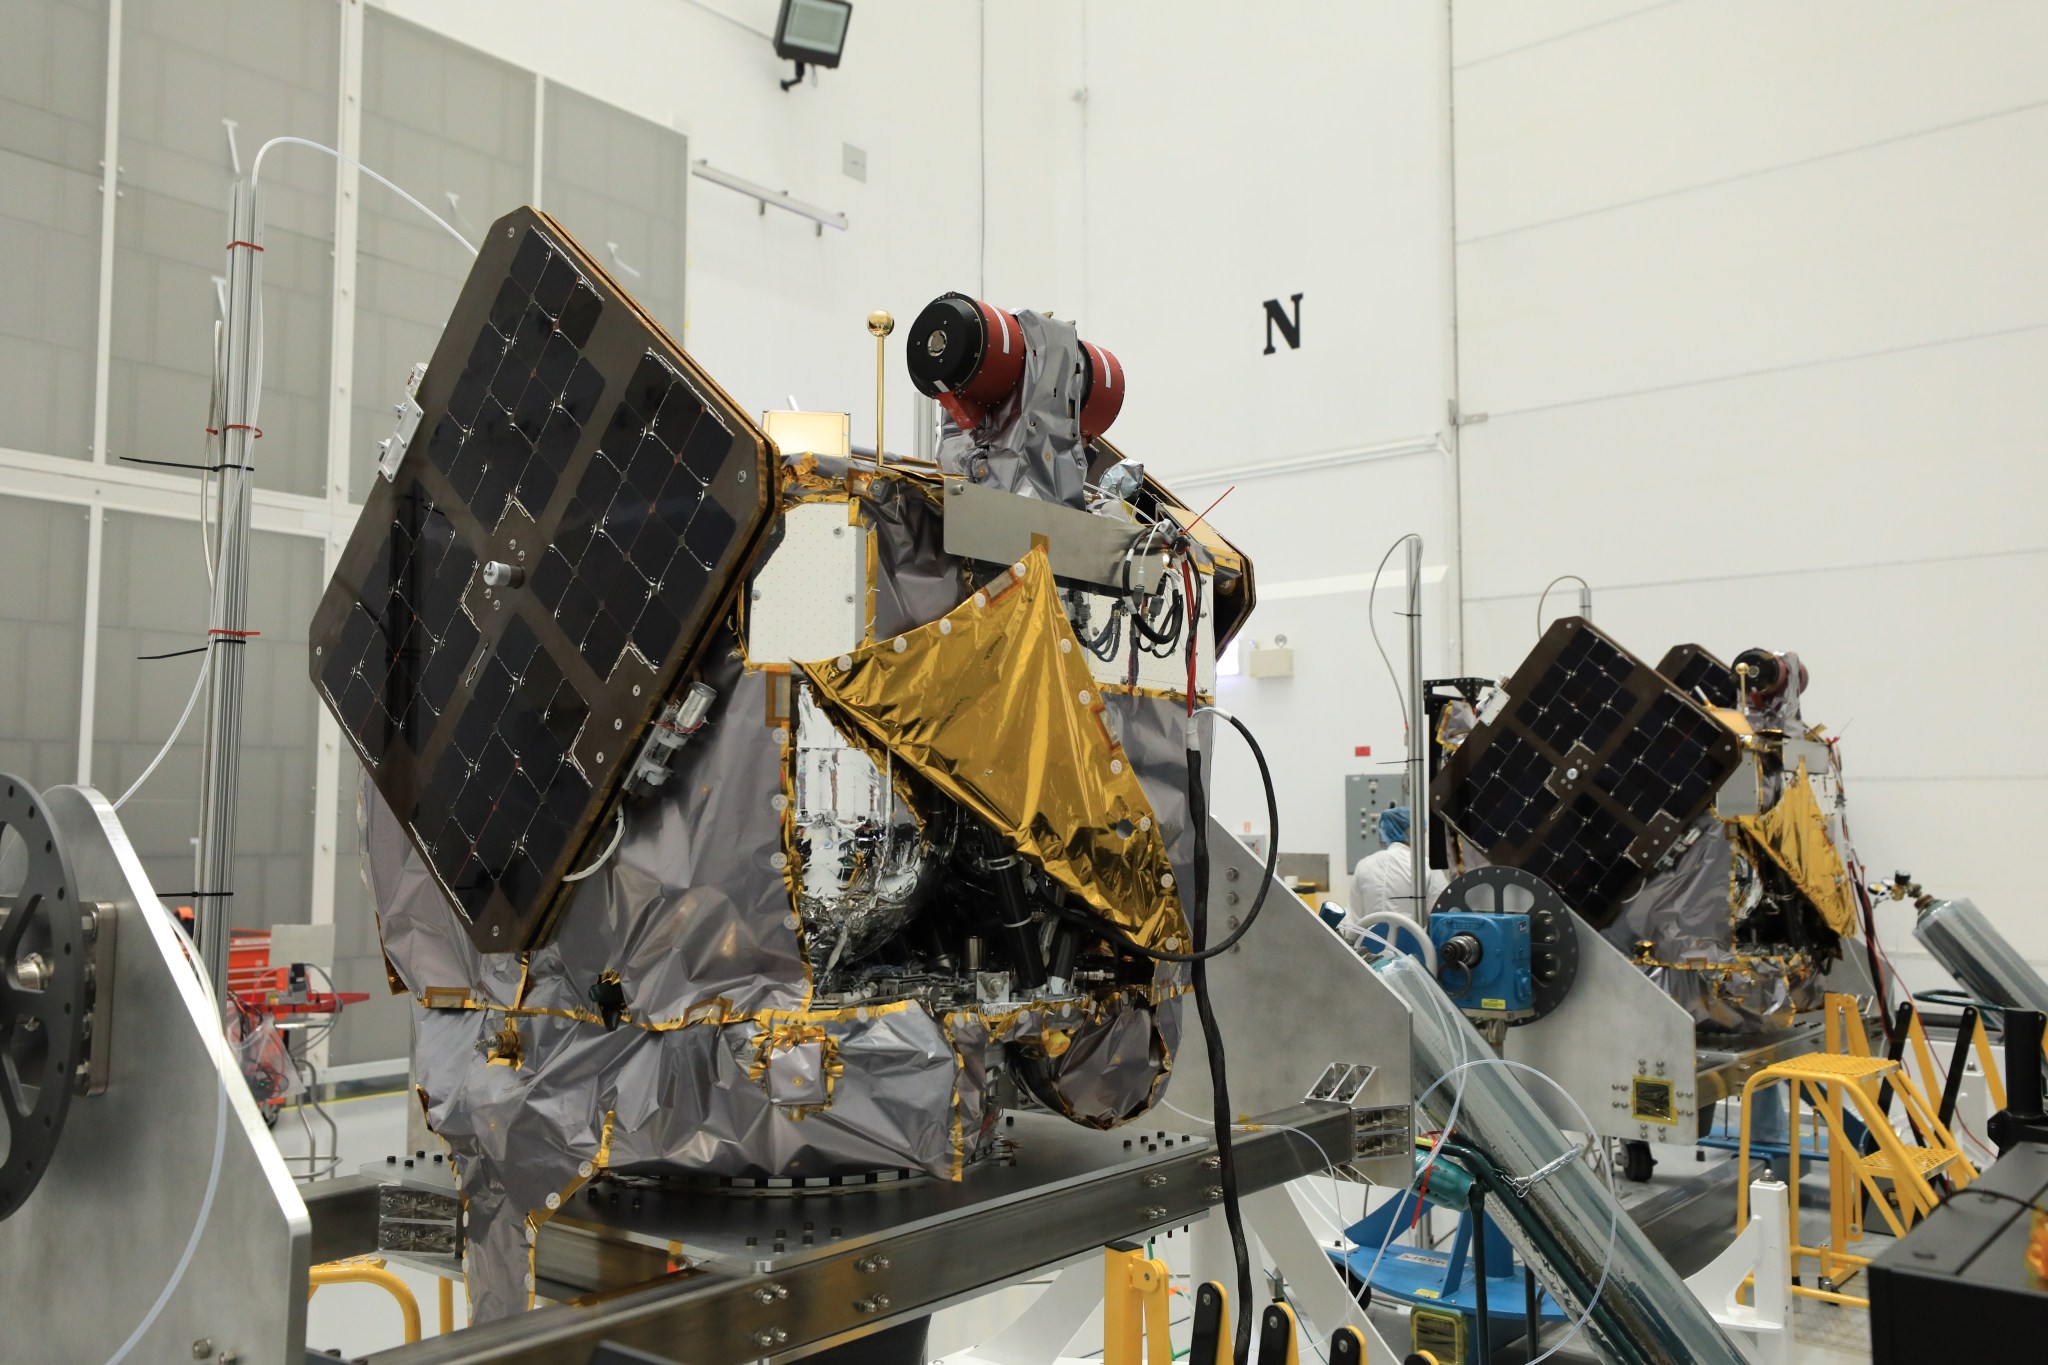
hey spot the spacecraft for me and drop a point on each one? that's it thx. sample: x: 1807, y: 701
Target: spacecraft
x: 750, y: 814
x: 1688, y: 812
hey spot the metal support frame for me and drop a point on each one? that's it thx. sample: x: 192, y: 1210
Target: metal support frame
x: 1072, y: 1192
x: 228, y: 616
x: 166, y: 1179
x: 1615, y: 1026
x: 1350, y: 1018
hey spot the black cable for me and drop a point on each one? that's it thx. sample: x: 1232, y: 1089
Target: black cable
x: 1103, y: 644
x: 185, y: 464
x: 1212, y: 1036
x: 1198, y: 975
x: 1130, y: 945
x: 1165, y: 639
x: 1140, y: 626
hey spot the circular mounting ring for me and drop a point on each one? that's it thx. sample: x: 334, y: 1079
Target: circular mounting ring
x: 42, y: 989
x: 1553, y: 928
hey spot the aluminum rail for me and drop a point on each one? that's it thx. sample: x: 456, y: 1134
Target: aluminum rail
x: 856, y: 1286
x: 765, y: 197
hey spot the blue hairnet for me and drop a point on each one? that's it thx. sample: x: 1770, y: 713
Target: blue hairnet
x: 1394, y: 825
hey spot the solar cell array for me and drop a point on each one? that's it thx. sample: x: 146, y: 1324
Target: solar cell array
x: 1588, y: 774
x: 567, y: 440
x: 1699, y: 675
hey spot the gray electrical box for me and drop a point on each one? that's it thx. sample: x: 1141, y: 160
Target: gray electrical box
x: 1365, y: 796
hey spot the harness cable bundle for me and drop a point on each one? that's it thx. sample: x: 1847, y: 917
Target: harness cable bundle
x: 1198, y: 959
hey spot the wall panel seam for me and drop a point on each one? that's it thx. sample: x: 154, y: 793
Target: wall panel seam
x: 2020, y: 552
x: 1758, y: 173
x: 1850, y: 358
x: 1560, y: 37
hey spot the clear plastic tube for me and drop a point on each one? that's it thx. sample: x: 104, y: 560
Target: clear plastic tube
x: 1614, y: 1224
x: 1396, y: 921
x: 198, y: 686
x: 256, y: 169
x: 1569, y: 1220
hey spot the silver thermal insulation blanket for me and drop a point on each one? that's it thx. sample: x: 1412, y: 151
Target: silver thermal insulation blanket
x: 726, y: 1064
x: 1032, y: 443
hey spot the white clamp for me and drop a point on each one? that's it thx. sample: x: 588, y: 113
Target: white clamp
x: 392, y: 448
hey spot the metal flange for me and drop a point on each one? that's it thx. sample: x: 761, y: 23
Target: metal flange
x: 44, y: 989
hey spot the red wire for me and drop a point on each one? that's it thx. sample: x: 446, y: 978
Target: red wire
x: 1210, y: 508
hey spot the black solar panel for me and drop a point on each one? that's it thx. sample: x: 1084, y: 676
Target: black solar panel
x: 566, y: 437
x: 1588, y: 774
x: 1699, y: 675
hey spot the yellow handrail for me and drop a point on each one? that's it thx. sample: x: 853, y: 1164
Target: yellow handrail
x: 370, y: 1270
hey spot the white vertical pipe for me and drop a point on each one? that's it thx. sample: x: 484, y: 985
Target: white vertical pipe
x: 327, y: 831
x: 540, y: 137
x: 89, y: 670
x: 1418, y: 740
x: 103, y: 362
x: 110, y: 193
x: 1454, y: 436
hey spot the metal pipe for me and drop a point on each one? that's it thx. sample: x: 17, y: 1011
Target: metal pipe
x: 1566, y: 1221
x: 1980, y: 958
x: 1418, y: 742
x: 227, y: 617
x: 1532, y: 1314
x: 880, y: 324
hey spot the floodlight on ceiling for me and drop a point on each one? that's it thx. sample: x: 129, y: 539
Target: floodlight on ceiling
x: 811, y: 33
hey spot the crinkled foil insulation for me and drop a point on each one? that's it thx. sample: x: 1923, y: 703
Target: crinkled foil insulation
x: 721, y: 1065
x: 1686, y: 913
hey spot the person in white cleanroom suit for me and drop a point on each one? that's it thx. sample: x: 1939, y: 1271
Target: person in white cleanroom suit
x: 1385, y: 880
